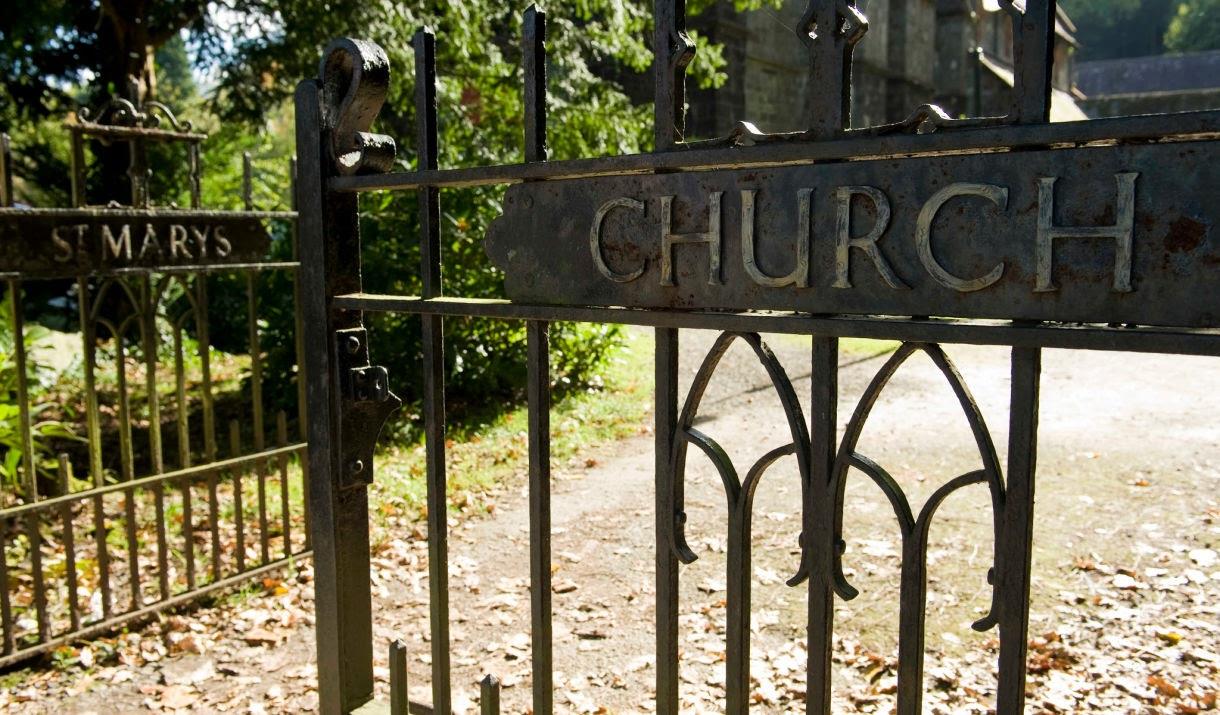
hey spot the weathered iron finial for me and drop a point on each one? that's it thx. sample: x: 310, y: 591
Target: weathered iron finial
x: 830, y: 29
x: 355, y: 78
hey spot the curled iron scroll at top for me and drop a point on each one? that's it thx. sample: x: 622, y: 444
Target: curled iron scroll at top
x: 355, y: 77
x: 121, y: 112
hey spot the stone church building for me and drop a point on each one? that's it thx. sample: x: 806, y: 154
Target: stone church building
x: 954, y: 53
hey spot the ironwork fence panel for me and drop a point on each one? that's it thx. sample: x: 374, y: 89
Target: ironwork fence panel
x: 1071, y: 222
x: 144, y: 511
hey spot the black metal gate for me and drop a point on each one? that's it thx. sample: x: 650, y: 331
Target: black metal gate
x: 1089, y: 235
x: 157, y: 519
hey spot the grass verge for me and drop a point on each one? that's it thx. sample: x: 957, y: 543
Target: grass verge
x: 497, y: 453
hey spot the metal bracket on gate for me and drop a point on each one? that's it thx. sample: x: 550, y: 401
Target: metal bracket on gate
x: 367, y: 404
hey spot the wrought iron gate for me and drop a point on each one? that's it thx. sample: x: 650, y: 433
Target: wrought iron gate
x: 1076, y: 239
x: 157, y: 519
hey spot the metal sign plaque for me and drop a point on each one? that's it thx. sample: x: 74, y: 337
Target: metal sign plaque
x: 1088, y: 234
x: 46, y: 243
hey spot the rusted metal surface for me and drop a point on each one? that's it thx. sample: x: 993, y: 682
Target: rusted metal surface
x: 139, y: 276
x: 984, y: 230
x: 1100, y: 234
x: 62, y: 243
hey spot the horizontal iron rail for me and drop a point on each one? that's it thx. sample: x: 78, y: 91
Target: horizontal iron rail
x: 159, y: 212
x: 150, y: 133
x: 198, y: 470
x: 787, y: 150
x: 181, y: 599
x: 143, y: 270
x: 934, y: 330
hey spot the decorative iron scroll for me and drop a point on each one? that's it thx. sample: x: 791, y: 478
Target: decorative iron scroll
x: 355, y: 76
x: 120, y: 112
x: 914, y: 528
x: 739, y: 494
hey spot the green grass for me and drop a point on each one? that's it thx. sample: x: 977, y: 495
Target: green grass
x: 496, y: 453
x: 483, y: 457
x: 850, y: 349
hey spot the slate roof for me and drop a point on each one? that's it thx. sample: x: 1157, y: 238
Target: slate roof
x: 1159, y: 73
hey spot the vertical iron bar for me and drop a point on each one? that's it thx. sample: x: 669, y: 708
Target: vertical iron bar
x: 912, y: 614
x: 214, y: 522
x: 434, y: 370
x: 668, y: 491
x: 1033, y: 58
x: 329, y: 231
x: 239, y: 517
x: 139, y: 173
x: 94, y: 436
x: 203, y: 331
x: 6, y: 605
x: 281, y: 440
x: 818, y: 540
x: 539, y: 388
x: 672, y: 51
x: 1018, y: 525
x: 17, y: 316
x: 737, y: 610
x: 489, y: 695
x: 183, y: 408
x: 128, y: 472
x: 256, y: 398
x: 69, y: 542
x: 6, y: 170
x: 184, y: 459
x: 78, y: 169
x: 156, y: 453
x: 256, y: 360
x: 195, y: 172
x: 302, y: 397
x: 28, y: 461
x: 247, y: 181
x: 34, y: 533
x: 830, y: 29
x: 400, y: 697
x: 533, y: 50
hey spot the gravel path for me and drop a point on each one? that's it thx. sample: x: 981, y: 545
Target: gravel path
x: 1126, y: 611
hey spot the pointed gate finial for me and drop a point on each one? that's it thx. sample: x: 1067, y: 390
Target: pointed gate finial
x: 830, y: 29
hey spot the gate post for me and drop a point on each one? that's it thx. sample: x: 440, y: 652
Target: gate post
x: 333, y: 114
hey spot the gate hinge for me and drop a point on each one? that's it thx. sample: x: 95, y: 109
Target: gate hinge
x: 366, y: 405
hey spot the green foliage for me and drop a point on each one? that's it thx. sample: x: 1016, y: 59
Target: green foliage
x: 599, y: 51
x: 39, y: 379
x: 1195, y: 27
x: 590, y: 43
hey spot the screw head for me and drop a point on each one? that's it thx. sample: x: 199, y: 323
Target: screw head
x: 352, y: 345
x: 355, y: 466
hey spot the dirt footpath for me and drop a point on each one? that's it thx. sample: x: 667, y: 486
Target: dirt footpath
x: 1126, y: 611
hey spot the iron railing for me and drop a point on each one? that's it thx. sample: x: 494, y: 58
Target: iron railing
x: 166, y: 509
x: 1108, y: 301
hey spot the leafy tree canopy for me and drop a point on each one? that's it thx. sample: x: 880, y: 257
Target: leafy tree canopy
x: 58, y: 54
x: 1194, y: 27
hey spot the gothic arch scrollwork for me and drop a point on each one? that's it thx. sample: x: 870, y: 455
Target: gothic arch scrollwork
x: 914, y: 528
x: 739, y: 495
